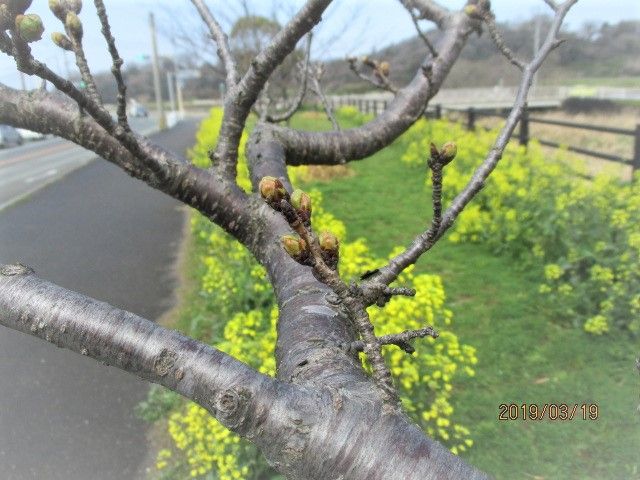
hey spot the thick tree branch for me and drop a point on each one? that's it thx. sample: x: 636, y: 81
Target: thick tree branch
x: 222, y: 41
x: 46, y: 113
x: 428, y: 238
x: 119, y: 338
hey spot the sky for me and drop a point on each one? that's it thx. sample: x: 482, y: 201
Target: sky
x: 350, y: 27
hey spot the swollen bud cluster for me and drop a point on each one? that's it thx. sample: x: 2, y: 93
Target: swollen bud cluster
x: 62, y: 41
x: 296, y: 209
x: 61, y: 8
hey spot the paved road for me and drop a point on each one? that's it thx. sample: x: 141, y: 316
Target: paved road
x: 26, y: 169
x: 102, y: 233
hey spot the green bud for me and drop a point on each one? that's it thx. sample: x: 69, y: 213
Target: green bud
x: 6, y: 19
x: 471, y: 10
x: 18, y: 7
x: 328, y: 242
x: 301, y: 201
x: 74, y: 25
x: 448, y: 152
x: 272, y: 190
x: 59, y: 9
x: 29, y: 27
x: 61, y: 40
x: 294, y: 245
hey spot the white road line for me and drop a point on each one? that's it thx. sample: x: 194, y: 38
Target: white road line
x: 42, y: 176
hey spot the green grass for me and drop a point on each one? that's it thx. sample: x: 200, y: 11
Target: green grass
x: 524, y: 355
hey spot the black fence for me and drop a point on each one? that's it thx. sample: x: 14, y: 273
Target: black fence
x: 472, y: 114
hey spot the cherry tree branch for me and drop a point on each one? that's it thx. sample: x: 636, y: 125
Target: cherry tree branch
x: 428, y: 238
x: 330, y: 148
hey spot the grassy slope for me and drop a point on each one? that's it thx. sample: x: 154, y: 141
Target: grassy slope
x: 523, y: 356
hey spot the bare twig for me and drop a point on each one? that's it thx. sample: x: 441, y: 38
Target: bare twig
x: 116, y: 66
x: 429, y: 10
x: 304, y: 72
x: 319, y: 92
x: 222, y: 41
x: 427, y: 239
x: 490, y: 20
x: 401, y: 340
x: 552, y: 4
x: 421, y: 34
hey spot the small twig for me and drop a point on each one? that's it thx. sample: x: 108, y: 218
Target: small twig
x: 490, y: 20
x: 422, y: 35
x: 117, y: 64
x: 401, y: 340
x: 380, y: 77
x: 317, y: 89
x: 552, y: 4
x: 295, y: 105
x: 222, y: 41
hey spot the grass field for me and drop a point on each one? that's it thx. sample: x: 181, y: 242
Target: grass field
x: 524, y: 356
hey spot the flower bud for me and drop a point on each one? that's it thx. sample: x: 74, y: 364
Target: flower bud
x: 61, y: 40
x: 328, y: 242
x: 471, y: 10
x: 301, y: 201
x: 30, y: 27
x: 272, y: 190
x: 329, y: 249
x: 384, y: 68
x: 59, y: 9
x: 294, y: 245
x: 74, y: 25
x: 448, y: 152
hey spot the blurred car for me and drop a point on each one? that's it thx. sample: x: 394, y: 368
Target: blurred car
x: 138, y: 111
x: 9, y: 136
x: 30, y: 135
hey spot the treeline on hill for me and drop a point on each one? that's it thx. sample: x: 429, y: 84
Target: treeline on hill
x: 604, y: 51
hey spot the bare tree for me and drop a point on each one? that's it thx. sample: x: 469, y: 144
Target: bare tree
x: 323, y: 416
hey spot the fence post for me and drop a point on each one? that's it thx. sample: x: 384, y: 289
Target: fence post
x: 523, y: 136
x: 471, y: 118
x: 438, y: 111
x: 384, y: 105
x: 635, y: 166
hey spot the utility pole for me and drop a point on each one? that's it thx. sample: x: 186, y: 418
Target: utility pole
x: 162, y: 121
x: 170, y: 87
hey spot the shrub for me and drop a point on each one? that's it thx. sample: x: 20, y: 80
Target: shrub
x: 538, y: 211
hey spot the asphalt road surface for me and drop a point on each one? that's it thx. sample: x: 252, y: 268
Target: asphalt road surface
x: 26, y: 169
x: 104, y: 234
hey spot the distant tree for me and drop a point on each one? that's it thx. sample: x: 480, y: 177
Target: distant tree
x: 323, y: 417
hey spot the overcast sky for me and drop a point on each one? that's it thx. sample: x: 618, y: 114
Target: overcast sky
x: 351, y: 27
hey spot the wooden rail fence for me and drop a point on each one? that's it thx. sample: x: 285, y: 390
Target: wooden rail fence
x: 377, y: 106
